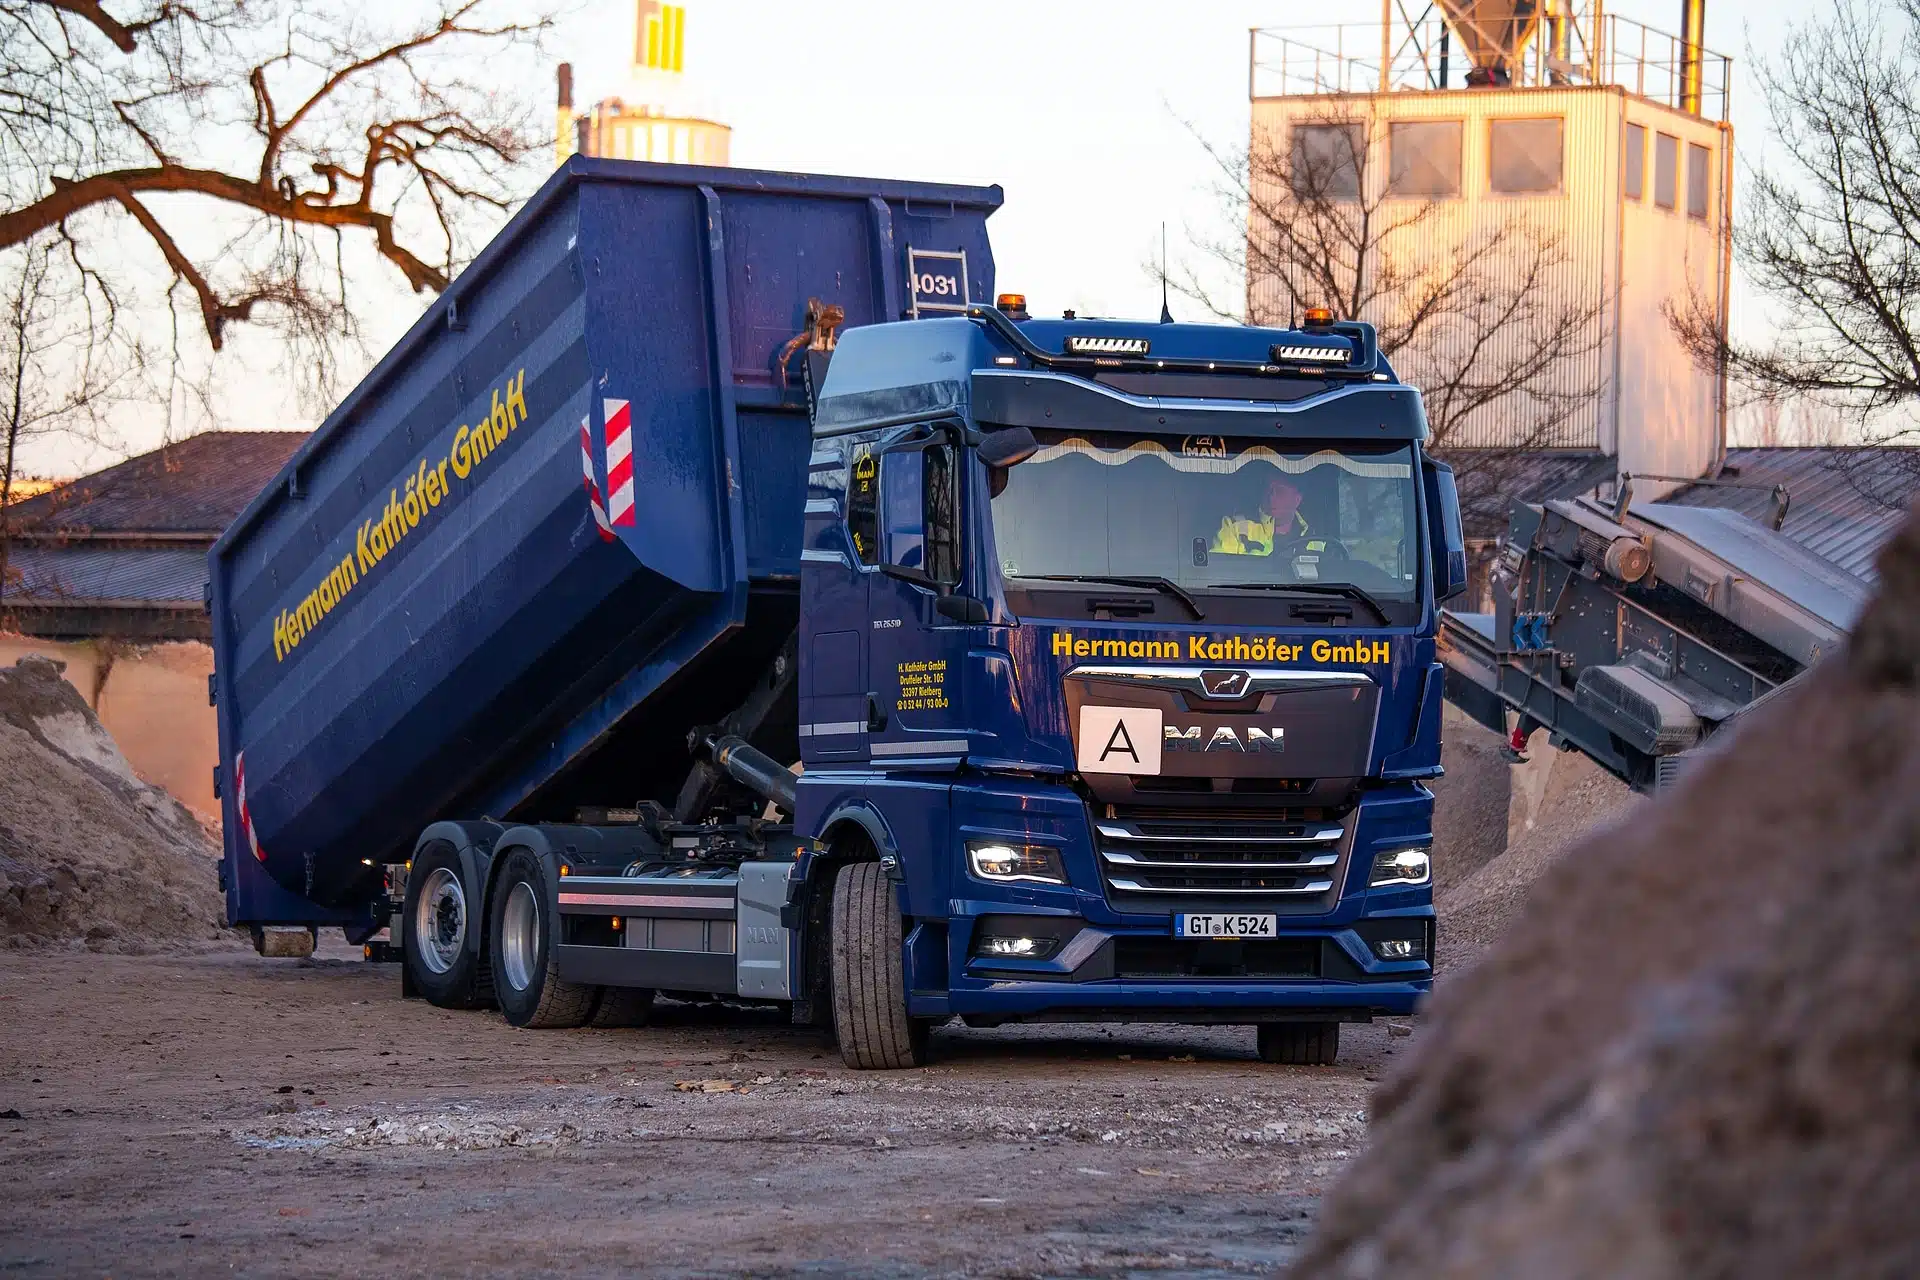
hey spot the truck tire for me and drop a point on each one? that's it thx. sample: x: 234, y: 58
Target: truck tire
x: 869, y: 985
x: 1299, y: 1044
x: 526, y: 983
x: 622, y: 1007
x: 441, y: 964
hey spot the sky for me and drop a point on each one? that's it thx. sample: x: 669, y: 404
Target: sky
x: 1089, y: 115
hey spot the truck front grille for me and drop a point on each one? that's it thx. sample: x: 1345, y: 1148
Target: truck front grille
x: 1160, y: 859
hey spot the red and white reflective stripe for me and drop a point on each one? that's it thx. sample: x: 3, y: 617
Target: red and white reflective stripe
x: 240, y: 803
x: 619, y: 461
x: 593, y: 490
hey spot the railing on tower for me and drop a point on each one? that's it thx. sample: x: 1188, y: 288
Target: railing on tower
x: 1422, y: 54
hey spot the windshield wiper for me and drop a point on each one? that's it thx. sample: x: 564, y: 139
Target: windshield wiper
x: 1168, y: 585
x: 1346, y: 589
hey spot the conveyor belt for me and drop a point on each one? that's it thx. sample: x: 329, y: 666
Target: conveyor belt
x: 1762, y: 581
x: 1638, y: 658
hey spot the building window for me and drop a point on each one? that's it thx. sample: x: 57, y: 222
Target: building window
x: 1423, y: 158
x: 1326, y: 161
x: 1666, y: 158
x: 1699, y: 160
x: 1636, y: 158
x: 1524, y: 156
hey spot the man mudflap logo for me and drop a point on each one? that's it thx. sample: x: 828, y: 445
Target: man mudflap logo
x: 1120, y: 744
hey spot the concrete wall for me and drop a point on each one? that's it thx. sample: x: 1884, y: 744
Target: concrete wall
x: 152, y: 699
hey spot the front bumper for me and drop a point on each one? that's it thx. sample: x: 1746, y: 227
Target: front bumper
x: 1109, y: 963
x: 1176, y: 1002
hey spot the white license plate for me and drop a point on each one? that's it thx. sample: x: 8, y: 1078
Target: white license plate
x: 1222, y: 926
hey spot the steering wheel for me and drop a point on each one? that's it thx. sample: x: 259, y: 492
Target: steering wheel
x: 1311, y: 544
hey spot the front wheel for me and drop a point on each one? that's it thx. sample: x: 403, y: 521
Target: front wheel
x: 869, y: 983
x: 1299, y: 1044
x: 526, y: 981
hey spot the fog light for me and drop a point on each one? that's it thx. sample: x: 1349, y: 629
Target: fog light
x: 1017, y: 948
x: 1401, y: 866
x: 998, y: 860
x: 1399, y: 949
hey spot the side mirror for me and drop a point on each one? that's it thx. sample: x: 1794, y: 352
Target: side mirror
x: 1449, y: 540
x: 1008, y: 447
x: 920, y: 512
x: 964, y: 609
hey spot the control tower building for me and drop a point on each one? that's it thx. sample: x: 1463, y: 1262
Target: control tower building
x: 1552, y: 177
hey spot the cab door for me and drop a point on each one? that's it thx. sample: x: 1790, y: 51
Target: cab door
x: 915, y: 651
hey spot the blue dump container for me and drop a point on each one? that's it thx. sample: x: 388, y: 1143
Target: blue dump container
x: 453, y: 602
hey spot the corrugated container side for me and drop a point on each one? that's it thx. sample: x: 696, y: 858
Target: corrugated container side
x: 421, y: 618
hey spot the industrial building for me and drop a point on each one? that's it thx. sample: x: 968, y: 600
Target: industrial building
x: 1495, y: 175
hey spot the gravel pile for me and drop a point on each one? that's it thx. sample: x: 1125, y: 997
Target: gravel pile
x: 90, y: 855
x: 1470, y: 803
x: 1559, y: 799
x: 1696, y: 1050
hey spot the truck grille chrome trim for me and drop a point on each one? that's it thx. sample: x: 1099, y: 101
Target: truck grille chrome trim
x: 1310, y: 886
x: 1316, y: 835
x: 1120, y: 858
x: 1152, y: 858
x: 1259, y: 679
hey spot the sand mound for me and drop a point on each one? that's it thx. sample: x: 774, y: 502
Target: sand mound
x: 89, y: 854
x: 1697, y: 1050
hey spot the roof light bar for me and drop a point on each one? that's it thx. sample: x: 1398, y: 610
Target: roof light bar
x: 1108, y: 346
x: 1311, y: 355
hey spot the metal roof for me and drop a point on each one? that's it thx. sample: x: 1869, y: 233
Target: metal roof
x: 1492, y: 480
x: 193, y: 488
x: 84, y: 575
x: 1845, y: 501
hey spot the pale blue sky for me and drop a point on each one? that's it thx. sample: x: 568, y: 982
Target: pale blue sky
x: 1079, y: 109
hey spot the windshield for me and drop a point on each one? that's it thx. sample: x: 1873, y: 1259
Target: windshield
x: 1209, y: 511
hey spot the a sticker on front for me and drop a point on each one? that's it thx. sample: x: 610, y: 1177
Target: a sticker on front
x: 1120, y: 740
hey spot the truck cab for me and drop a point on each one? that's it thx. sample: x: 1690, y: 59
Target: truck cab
x: 1117, y: 646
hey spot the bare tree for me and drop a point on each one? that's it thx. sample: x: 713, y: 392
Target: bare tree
x: 1504, y: 353
x: 1830, y: 238
x: 246, y: 143
x: 63, y: 363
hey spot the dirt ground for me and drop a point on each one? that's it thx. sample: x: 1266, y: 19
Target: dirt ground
x: 188, y: 1114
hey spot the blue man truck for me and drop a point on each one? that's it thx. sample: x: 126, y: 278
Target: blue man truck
x: 722, y: 592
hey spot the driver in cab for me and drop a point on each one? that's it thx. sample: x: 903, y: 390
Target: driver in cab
x: 1280, y: 522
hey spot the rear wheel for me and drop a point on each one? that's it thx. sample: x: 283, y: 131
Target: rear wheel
x: 869, y: 984
x: 1299, y: 1044
x: 526, y: 982
x: 442, y: 965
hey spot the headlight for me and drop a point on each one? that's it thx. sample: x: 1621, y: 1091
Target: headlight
x: 1401, y: 866
x: 999, y: 861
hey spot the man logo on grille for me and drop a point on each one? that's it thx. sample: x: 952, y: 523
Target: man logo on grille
x: 1225, y: 684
